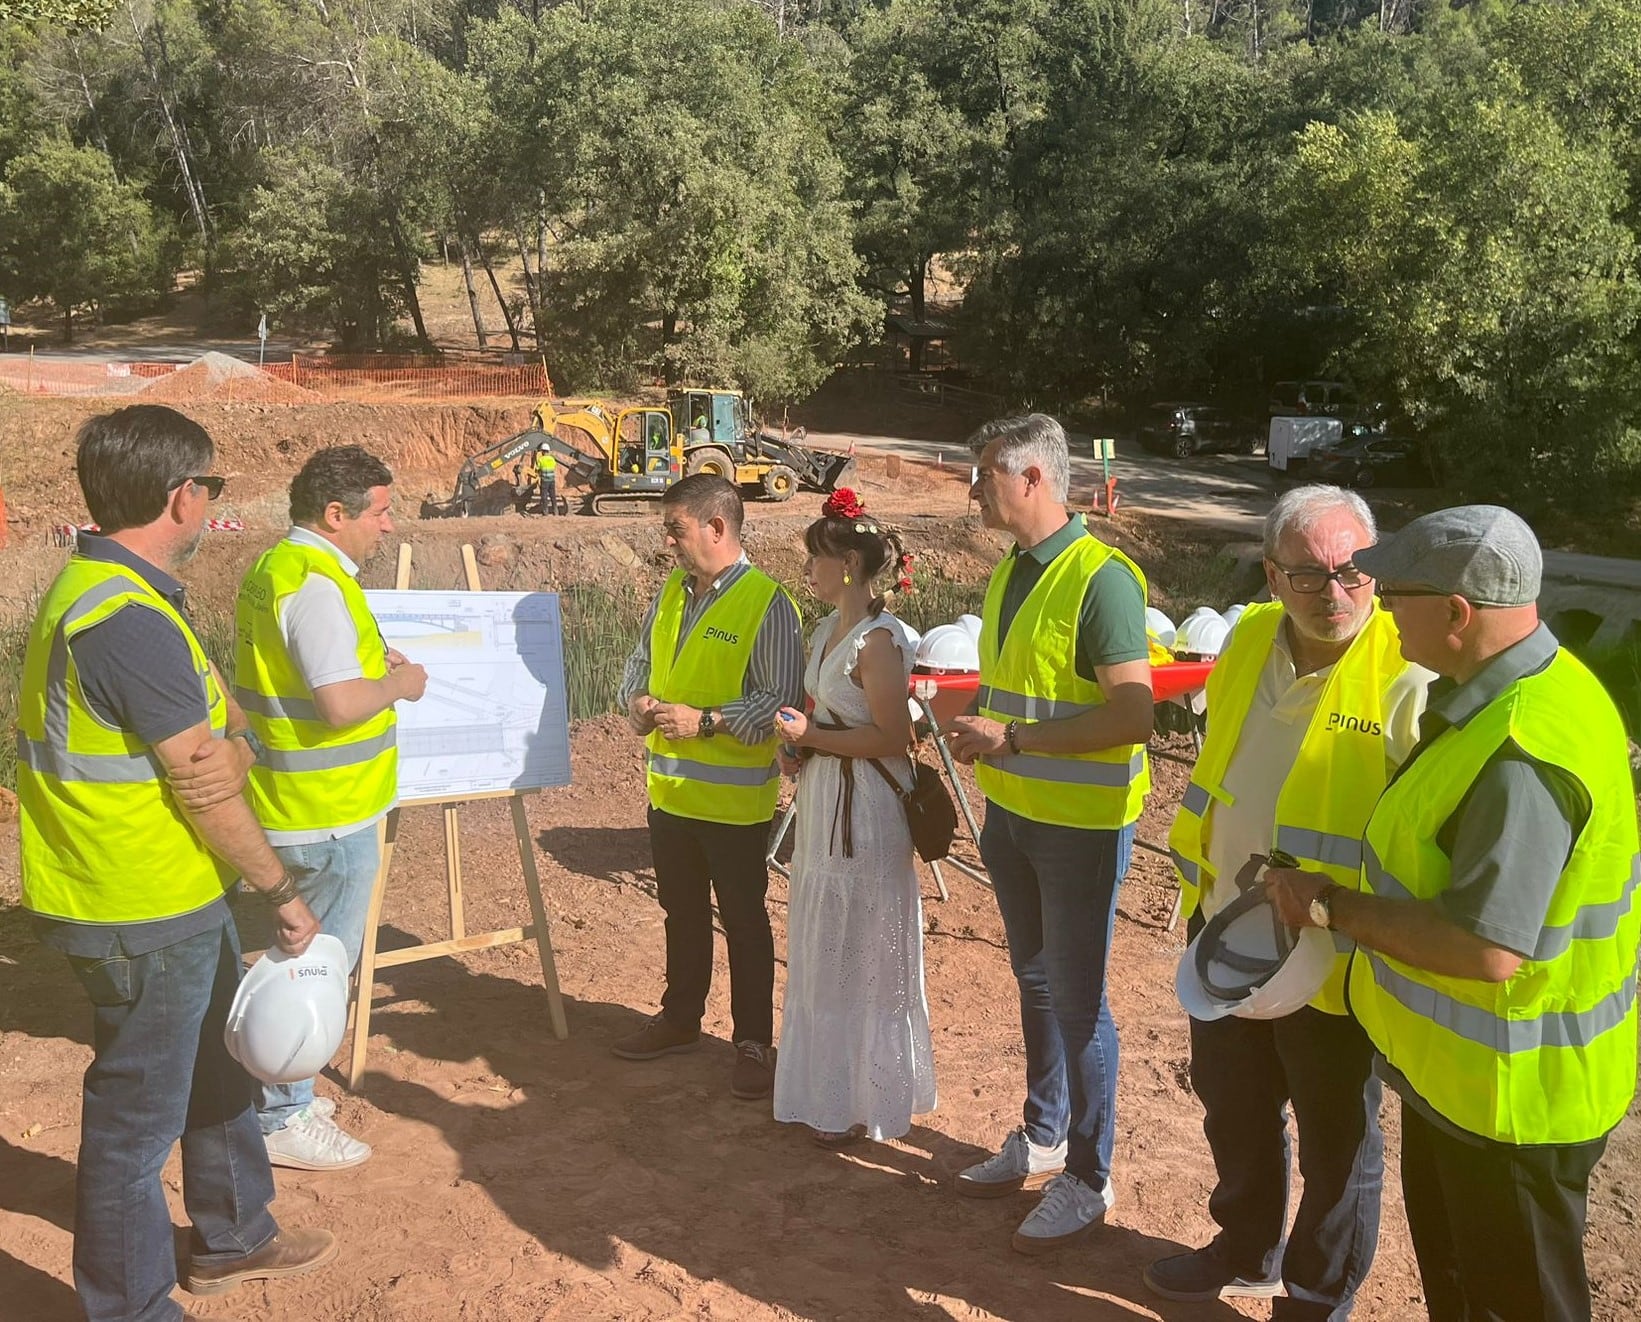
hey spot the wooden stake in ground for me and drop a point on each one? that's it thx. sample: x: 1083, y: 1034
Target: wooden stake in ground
x: 370, y: 959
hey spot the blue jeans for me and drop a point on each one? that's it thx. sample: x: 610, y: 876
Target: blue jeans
x: 161, y: 1073
x: 337, y: 888
x: 1057, y: 891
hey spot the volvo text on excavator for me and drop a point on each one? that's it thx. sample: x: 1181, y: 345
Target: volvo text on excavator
x: 627, y: 455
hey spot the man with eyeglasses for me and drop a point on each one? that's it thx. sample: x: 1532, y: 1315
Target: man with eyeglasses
x: 318, y: 684
x: 126, y: 872
x: 1310, y: 708
x: 1496, y: 924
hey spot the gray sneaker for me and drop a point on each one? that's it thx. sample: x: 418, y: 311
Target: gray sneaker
x: 1069, y: 1209
x: 1018, y: 1164
x: 311, y: 1143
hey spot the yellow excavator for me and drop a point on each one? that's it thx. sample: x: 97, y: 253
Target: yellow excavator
x: 626, y: 455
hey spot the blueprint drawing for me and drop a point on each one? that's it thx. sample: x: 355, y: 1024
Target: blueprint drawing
x: 494, y: 716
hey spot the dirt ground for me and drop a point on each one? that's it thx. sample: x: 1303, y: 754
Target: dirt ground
x: 518, y: 1177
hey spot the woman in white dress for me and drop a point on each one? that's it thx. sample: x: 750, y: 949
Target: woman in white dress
x: 855, y: 1057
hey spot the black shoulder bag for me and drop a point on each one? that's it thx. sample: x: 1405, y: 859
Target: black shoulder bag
x: 930, y: 813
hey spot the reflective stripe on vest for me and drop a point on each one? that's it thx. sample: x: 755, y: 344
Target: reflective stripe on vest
x: 718, y: 779
x: 1033, y: 677
x: 1331, y: 787
x: 1549, y: 1055
x: 102, y: 839
x: 312, y: 776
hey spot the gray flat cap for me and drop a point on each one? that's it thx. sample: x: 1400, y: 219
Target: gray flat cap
x: 1483, y: 553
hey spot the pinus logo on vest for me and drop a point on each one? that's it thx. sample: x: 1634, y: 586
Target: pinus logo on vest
x: 1338, y: 721
x: 721, y: 635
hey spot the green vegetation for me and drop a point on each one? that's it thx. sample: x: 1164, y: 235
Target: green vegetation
x: 1139, y: 198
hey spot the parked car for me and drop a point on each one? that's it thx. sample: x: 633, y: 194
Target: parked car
x: 1369, y: 459
x: 1183, y: 429
x: 1305, y: 399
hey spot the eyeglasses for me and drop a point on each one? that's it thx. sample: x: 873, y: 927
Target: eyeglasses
x: 210, y: 483
x: 1386, y: 594
x: 1311, y: 581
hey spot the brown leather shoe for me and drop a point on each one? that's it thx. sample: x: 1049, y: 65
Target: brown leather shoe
x: 754, y: 1075
x: 656, y: 1038
x: 288, y: 1253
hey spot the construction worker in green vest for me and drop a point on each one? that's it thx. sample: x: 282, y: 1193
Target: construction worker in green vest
x: 1058, y: 746
x: 1496, y: 925
x: 318, y: 685
x: 133, y: 829
x: 1310, y: 708
x: 547, y: 479
x: 720, y: 653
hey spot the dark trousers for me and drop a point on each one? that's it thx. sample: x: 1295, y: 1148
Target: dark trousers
x: 161, y: 1073
x: 1247, y: 1072
x: 1498, y: 1230
x: 694, y: 859
x: 1056, y: 889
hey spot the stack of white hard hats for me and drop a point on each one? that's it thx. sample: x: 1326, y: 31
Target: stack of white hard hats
x: 1159, y: 626
x: 1202, y: 633
x: 951, y: 648
x: 290, y: 1012
x: 1246, y: 963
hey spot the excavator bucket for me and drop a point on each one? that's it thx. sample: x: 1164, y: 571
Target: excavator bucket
x: 835, y: 470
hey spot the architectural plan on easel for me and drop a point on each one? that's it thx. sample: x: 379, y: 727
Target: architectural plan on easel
x: 494, y: 716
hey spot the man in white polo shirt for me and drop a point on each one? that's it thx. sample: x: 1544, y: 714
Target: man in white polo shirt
x: 318, y: 683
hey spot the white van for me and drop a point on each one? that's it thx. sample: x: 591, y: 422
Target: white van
x: 1292, y: 440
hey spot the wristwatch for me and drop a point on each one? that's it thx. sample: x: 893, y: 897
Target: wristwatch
x: 257, y: 747
x: 709, y: 724
x: 1322, y: 905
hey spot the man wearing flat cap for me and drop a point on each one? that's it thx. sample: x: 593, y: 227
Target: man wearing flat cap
x: 1496, y: 926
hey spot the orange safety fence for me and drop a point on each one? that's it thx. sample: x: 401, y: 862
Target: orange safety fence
x: 305, y: 379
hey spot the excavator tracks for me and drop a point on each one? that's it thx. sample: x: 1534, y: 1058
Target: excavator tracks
x: 620, y: 502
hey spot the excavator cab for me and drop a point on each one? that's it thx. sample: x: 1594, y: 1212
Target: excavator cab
x: 711, y: 417
x: 646, y: 457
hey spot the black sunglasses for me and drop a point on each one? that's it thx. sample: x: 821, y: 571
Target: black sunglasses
x: 1311, y: 581
x: 209, y: 482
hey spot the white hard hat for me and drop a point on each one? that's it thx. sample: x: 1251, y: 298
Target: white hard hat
x: 1202, y: 635
x: 290, y: 1012
x: 1245, y: 962
x: 973, y: 624
x: 948, y: 647
x: 1160, y: 627
x: 1231, y: 614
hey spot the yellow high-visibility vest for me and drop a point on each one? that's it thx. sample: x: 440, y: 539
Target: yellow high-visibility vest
x: 311, y: 776
x: 1549, y: 1055
x: 1033, y: 677
x: 102, y: 838
x: 718, y: 779
x: 1328, y: 792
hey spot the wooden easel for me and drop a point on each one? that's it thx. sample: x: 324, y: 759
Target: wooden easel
x: 460, y: 940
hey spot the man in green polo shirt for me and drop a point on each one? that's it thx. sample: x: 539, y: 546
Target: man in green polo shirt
x: 1059, y: 751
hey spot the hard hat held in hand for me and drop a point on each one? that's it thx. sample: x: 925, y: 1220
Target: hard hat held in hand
x: 1246, y: 963
x: 290, y: 1012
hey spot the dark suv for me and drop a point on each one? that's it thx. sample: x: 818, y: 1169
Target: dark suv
x: 1184, y: 429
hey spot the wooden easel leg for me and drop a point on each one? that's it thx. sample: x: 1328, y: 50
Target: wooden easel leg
x: 453, y: 870
x: 364, y: 984
x: 538, y: 913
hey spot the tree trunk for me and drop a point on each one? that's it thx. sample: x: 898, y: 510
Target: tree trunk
x: 68, y: 324
x: 495, y: 286
x: 531, y: 291
x: 919, y: 292
x: 174, y: 131
x: 473, y: 298
x: 406, y: 268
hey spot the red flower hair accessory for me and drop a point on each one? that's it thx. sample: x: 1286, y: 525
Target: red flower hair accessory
x: 843, y: 504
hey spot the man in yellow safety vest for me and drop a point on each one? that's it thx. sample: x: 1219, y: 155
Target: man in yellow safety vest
x: 547, y: 480
x: 720, y: 653
x: 318, y: 685
x: 133, y: 827
x: 1496, y: 925
x: 1310, y: 707
x: 1059, y: 752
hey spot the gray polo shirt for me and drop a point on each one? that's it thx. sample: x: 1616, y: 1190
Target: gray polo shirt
x: 137, y: 674
x: 1511, y: 835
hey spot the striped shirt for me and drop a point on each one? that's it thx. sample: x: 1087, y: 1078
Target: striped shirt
x: 774, y: 674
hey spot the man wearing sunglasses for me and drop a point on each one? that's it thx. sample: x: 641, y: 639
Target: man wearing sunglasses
x: 1496, y: 924
x: 318, y: 685
x: 1310, y: 708
x: 127, y: 876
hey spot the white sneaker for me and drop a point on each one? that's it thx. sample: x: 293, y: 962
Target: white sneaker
x: 1018, y: 1164
x: 309, y: 1142
x: 1069, y: 1208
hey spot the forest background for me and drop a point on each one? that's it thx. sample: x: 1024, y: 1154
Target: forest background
x: 1135, y: 199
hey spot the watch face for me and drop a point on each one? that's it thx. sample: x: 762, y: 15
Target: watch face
x: 1321, y: 914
